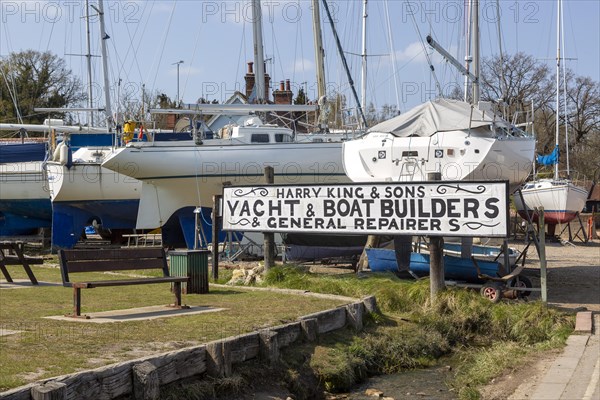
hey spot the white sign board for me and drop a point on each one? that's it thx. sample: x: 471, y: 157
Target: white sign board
x: 415, y: 208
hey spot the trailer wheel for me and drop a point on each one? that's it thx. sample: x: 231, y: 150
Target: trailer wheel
x: 521, y: 282
x: 492, y: 292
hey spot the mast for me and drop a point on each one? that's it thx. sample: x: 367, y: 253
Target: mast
x: 475, y: 34
x: 319, y: 51
x: 468, y: 57
x: 558, y: 31
x: 363, y: 88
x: 564, y: 70
x: 499, y: 33
x: 259, y: 58
x: 89, y: 62
x: 104, y: 37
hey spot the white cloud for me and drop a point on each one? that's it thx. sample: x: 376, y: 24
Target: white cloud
x: 302, y: 65
x: 185, y: 70
x: 415, y: 52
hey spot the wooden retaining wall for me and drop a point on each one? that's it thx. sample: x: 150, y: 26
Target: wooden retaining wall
x: 142, y: 378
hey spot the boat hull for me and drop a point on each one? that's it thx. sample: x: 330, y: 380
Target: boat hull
x: 178, y: 178
x: 455, y: 268
x: 382, y: 157
x: 561, y: 201
x: 85, y: 192
x: 24, y: 198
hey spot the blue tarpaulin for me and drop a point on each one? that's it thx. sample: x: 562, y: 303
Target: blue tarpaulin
x: 550, y: 159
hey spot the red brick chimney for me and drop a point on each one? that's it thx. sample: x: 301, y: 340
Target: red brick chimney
x: 284, y: 95
x: 250, y: 79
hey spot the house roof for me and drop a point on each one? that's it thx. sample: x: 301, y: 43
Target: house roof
x: 594, y: 193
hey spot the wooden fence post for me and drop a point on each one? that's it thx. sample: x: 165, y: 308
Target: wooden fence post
x: 146, y: 383
x: 49, y: 391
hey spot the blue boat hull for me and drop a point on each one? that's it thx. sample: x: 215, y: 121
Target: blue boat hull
x: 455, y: 268
x: 179, y: 229
x: 69, y: 219
x: 24, y: 217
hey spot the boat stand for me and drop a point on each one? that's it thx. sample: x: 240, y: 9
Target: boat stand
x: 580, y: 230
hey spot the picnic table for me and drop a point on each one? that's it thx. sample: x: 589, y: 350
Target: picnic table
x: 16, y: 258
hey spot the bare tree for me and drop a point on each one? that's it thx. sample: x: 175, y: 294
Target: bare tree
x: 517, y: 80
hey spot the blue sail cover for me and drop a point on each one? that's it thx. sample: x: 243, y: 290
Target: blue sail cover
x: 550, y: 159
x: 22, y: 152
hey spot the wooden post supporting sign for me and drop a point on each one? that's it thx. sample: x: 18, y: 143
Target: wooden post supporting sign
x: 215, y: 236
x: 542, y: 254
x: 269, y: 237
x: 436, y: 250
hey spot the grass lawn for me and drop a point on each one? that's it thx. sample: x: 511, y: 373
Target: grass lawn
x: 47, y: 348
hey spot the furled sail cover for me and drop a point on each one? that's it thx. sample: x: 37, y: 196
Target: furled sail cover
x: 439, y: 115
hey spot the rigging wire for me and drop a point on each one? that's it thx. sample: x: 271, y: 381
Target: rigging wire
x: 162, y: 48
x: 241, y: 53
x: 192, y: 61
x: 132, y: 47
x: 393, y: 53
x: 427, y: 56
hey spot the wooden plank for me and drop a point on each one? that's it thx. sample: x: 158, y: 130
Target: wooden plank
x: 19, y: 393
x: 329, y: 320
x: 288, y: 333
x: 104, y: 383
x: 14, y: 260
x: 244, y: 347
x: 180, y: 364
x: 113, y: 254
x: 113, y: 265
x: 125, y: 282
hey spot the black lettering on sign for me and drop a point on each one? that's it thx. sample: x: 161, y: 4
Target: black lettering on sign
x: 452, y: 203
x: 245, y: 210
x: 274, y: 207
x: 454, y: 226
x: 438, y: 208
x: 328, y: 208
x: 471, y: 206
x: 233, y: 206
x: 492, y: 207
x: 258, y: 211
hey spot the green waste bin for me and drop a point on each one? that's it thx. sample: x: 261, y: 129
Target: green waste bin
x: 194, y: 265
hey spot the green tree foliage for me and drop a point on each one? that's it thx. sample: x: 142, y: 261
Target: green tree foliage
x: 300, y: 97
x: 31, y: 79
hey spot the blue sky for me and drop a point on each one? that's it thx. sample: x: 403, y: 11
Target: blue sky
x: 214, y: 41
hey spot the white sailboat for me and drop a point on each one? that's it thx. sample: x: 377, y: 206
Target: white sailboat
x: 560, y: 198
x: 461, y: 141
x: 447, y: 136
x: 182, y: 175
x: 81, y: 191
x: 178, y: 178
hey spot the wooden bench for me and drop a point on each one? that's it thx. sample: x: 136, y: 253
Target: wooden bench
x: 18, y: 258
x: 112, y: 260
